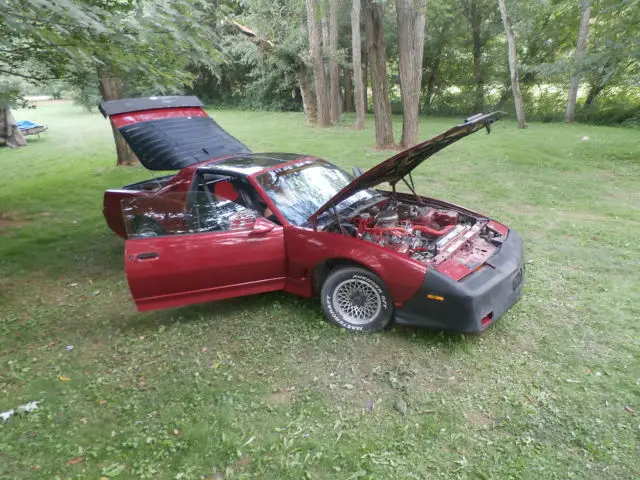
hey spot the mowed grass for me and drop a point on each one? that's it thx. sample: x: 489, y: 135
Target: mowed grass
x: 262, y: 387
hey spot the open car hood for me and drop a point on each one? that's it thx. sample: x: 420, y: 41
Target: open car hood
x: 170, y: 133
x: 397, y: 167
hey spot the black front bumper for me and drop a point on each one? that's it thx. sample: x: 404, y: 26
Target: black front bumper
x: 492, y: 290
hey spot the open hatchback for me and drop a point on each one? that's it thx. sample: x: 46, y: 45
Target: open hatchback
x: 231, y: 223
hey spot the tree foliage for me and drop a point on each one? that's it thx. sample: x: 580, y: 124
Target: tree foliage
x: 160, y: 46
x: 151, y: 43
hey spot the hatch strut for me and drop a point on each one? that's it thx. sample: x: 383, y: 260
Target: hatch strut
x: 412, y: 187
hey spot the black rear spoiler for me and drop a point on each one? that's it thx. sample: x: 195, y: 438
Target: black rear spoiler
x: 128, y: 105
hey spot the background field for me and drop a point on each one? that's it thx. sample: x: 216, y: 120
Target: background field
x: 263, y: 387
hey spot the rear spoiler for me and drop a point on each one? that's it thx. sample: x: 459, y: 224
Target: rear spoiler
x: 128, y: 105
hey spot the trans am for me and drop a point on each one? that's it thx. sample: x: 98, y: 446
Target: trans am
x: 232, y: 223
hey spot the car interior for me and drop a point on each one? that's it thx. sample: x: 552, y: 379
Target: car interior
x: 215, y: 187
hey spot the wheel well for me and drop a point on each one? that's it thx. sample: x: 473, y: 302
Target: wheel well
x: 324, y: 268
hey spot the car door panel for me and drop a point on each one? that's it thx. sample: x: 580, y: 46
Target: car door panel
x: 173, y: 270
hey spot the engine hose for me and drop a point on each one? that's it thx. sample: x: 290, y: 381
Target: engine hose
x: 432, y: 231
x: 382, y: 230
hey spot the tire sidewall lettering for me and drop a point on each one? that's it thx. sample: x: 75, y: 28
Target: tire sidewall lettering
x: 339, y: 320
x: 375, y: 286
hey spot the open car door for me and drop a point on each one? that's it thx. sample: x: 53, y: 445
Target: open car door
x: 204, y: 249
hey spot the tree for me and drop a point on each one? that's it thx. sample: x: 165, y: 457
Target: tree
x: 359, y: 87
x: 347, y: 84
x: 513, y: 65
x: 290, y: 56
x: 475, y: 21
x: 482, y: 17
x: 315, y: 54
x: 334, y: 69
x: 10, y: 134
x: 376, y: 51
x: 89, y: 43
x: 112, y: 88
x: 581, y: 48
x: 411, y: 18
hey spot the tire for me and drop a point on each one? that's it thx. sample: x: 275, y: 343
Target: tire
x: 356, y: 299
x: 145, y: 227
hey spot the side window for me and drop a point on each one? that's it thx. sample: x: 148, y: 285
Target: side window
x: 181, y: 213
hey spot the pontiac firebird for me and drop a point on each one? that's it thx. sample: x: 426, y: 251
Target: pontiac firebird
x: 232, y: 223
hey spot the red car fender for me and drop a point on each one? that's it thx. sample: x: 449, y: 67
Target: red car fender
x: 309, y: 250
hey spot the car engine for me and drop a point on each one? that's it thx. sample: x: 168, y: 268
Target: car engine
x: 427, y: 233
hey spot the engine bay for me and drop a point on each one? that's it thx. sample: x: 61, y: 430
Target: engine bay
x: 427, y: 233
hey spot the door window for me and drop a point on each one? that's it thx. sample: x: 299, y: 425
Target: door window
x: 179, y: 213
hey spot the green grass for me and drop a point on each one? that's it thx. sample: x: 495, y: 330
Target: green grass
x: 262, y: 387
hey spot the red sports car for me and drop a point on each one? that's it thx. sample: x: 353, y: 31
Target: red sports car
x: 234, y: 223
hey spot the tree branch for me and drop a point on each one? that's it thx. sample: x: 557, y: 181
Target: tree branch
x: 28, y: 77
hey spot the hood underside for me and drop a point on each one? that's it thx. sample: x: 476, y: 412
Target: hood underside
x: 170, y: 133
x: 397, y: 167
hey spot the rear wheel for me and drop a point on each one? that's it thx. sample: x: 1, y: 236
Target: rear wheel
x: 356, y: 299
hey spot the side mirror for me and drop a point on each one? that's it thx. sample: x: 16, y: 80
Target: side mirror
x: 356, y: 172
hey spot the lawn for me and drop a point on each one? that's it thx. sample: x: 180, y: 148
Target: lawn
x: 262, y: 387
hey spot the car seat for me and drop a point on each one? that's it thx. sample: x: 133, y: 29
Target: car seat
x: 226, y: 190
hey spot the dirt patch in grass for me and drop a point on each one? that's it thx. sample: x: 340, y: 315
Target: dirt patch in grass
x: 10, y: 221
x: 282, y: 396
x: 478, y: 418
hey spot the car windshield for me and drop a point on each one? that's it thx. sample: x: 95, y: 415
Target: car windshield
x: 298, y: 191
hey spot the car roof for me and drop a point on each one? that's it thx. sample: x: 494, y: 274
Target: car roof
x: 247, y: 164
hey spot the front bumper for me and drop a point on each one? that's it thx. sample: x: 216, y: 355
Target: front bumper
x: 485, y: 294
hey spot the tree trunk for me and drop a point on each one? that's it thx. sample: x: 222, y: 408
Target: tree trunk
x: 411, y: 21
x: 112, y: 88
x: 513, y: 65
x: 359, y: 77
x: 348, y: 89
x: 365, y: 78
x: 315, y: 52
x: 374, y: 27
x: 334, y: 68
x: 475, y: 19
x: 308, y: 99
x: 581, y: 48
x: 10, y: 134
x: 594, y: 91
x: 431, y: 80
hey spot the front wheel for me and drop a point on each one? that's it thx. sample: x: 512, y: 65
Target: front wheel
x: 356, y: 299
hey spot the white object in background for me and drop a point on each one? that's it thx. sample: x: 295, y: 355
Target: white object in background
x: 6, y: 415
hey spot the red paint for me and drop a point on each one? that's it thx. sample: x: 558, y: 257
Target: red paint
x: 226, y: 190
x: 498, y: 227
x: 486, y: 320
x: 307, y: 249
x: 453, y: 269
x: 157, y: 114
x: 203, y: 267
x: 173, y: 270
